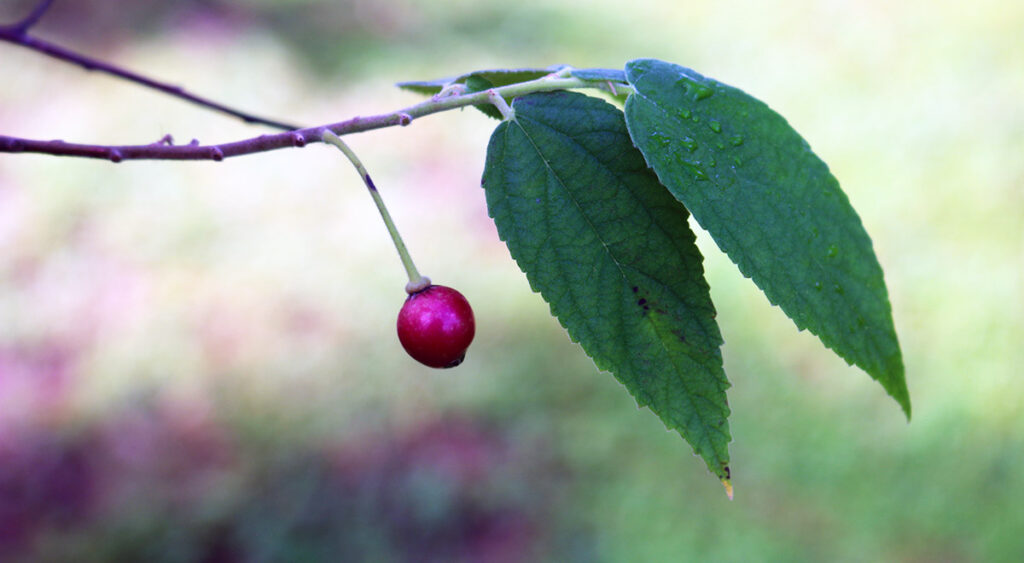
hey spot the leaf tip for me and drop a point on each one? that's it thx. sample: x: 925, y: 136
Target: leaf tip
x: 898, y: 391
x: 905, y: 404
x: 728, y: 488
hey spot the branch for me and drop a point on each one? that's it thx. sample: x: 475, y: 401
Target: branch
x: 163, y: 150
x: 294, y: 137
x: 17, y: 34
x: 33, y: 18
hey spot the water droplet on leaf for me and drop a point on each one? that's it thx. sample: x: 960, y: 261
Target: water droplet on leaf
x: 661, y: 138
x: 736, y: 140
x: 715, y: 126
x: 702, y: 92
x: 694, y: 167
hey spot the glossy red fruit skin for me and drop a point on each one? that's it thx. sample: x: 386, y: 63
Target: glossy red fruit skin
x: 436, y: 326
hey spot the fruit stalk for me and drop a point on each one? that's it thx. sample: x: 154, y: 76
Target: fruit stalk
x: 416, y: 281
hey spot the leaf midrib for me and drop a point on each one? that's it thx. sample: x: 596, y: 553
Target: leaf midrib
x: 689, y: 394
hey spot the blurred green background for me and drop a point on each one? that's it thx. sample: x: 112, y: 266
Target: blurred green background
x: 198, y: 360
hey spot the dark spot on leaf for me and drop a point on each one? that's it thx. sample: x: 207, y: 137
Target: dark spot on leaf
x: 515, y: 169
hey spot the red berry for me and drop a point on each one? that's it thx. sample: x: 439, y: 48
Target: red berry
x: 436, y: 326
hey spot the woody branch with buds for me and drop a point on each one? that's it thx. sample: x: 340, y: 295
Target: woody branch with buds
x: 292, y: 136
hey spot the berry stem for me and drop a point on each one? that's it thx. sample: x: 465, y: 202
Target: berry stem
x: 416, y: 281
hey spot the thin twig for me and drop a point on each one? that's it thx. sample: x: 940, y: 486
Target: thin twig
x: 17, y: 34
x: 33, y: 18
x: 296, y: 138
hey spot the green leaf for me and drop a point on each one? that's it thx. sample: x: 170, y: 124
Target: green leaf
x: 773, y: 206
x: 612, y: 253
x: 426, y: 87
x: 479, y: 80
x: 479, y: 84
x: 602, y: 74
x: 494, y: 77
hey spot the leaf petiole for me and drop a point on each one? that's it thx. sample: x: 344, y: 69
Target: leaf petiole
x: 507, y: 113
